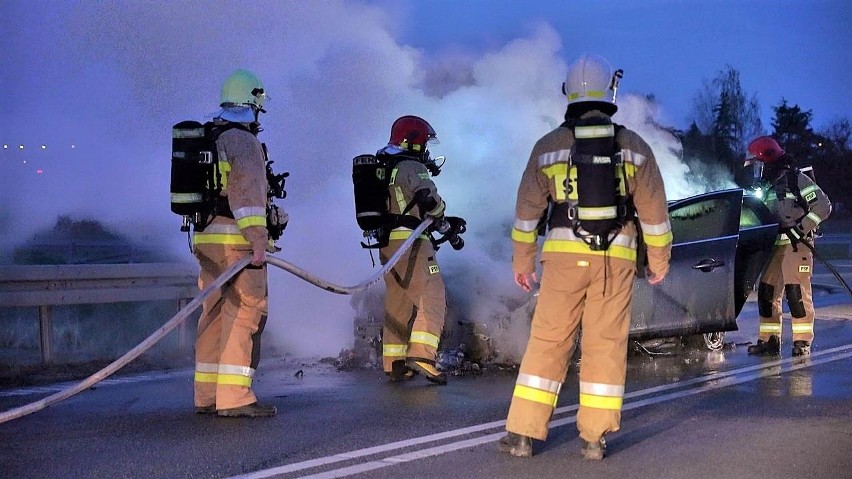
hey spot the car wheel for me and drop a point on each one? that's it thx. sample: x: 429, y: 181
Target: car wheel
x: 714, y: 341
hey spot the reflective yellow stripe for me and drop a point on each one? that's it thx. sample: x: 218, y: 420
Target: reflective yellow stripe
x: 205, y: 377
x: 597, y: 213
x: 600, y: 402
x: 234, y: 380
x: 577, y: 246
x: 535, y: 395
x: 224, y: 170
x: 247, y: 221
x: 658, y: 240
x: 799, y: 328
x: 422, y: 337
x: 203, y: 238
x: 524, y: 236
x: 782, y: 240
x: 396, y: 350
x: 558, y: 173
x: 770, y: 328
x: 589, y: 94
x: 438, y: 211
x: 403, y: 234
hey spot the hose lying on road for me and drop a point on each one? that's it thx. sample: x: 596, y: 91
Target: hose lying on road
x: 184, y: 313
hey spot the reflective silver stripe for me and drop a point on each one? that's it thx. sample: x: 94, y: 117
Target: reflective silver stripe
x: 222, y: 229
x: 597, y: 131
x: 206, y: 367
x: 601, y: 389
x: 567, y: 234
x: 525, y: 225
x: 539, y: 382
x: 657, y: 229
x: 559, y: 156
x: 188, y: 133
x: 814, y: 217
x: 600, y: 213
x: 238, y: 370
x: 249, y: 211
x: 178, y: 154
x: 631, y: 156
x: 186, y: 197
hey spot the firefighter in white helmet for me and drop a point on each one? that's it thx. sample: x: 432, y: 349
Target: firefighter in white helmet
x: 799, y: 206
x: 229, y: 329
x: 603, y: 185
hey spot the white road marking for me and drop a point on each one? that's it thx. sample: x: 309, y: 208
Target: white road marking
x: 702, y: 384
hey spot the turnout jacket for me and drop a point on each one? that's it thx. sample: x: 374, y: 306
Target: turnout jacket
x: 806, y: 213
x: 406, y: 178
x: 242, y: 165
x: 550, y: 176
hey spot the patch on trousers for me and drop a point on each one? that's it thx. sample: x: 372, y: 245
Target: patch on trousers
x: 803, y: 268
x: 583, y: 263
x: 433, y: 268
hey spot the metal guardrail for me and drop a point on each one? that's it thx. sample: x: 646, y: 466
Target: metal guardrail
x: 45, y: 286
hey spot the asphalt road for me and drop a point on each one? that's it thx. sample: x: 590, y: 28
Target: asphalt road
x: 690, y: 413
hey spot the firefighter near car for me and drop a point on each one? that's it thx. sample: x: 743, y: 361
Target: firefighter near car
x: 394, y: 193
x: 800, y: 206
x: 594, y: 177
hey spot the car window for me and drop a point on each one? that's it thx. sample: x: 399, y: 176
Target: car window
x: 701, y: 220
x: 754, y: 213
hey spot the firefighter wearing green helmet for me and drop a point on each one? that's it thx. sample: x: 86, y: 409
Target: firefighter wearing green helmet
x: 599, y: 181
x: 228, y: 340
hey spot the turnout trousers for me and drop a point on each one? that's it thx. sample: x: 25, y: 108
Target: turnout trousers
x: 415, y: 305
x: 788, y: 273
x: 227, y: 346
x: 594, y: 292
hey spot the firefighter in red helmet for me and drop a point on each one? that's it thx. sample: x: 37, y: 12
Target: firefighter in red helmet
x: 415, y: 300
x: 799, y: 206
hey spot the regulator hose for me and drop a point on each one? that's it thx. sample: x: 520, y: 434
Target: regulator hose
x: 184, y: 313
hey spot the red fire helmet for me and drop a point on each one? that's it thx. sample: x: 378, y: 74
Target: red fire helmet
x: 411, y: 133
x: 765, y: 149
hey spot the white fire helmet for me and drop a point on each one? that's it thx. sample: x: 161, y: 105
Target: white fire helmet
x: 243, y: 88
x: 591, y: 79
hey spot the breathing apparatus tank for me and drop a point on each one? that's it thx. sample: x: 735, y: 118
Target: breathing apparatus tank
x: 370, y: 181
x: 194, y: 174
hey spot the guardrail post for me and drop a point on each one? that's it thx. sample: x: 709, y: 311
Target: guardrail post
x: 45, y: 333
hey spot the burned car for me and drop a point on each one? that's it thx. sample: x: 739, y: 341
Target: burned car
x: 722, y: 241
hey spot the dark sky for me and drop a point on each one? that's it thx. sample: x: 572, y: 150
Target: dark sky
x: 99, y: 85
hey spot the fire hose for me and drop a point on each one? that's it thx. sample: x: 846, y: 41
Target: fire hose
x: 184, y: 313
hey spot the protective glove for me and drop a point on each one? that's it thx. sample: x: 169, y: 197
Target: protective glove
x: 457, y: 224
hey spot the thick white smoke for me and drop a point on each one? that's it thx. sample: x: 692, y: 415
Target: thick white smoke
x: 337, y: 79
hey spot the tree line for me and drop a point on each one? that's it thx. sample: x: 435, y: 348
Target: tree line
x: 726, y: 119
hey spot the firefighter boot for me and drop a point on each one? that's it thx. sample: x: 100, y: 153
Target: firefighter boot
x: 770, y: 346
x: 205, y: 409
x: 516, y: 445
x: 428, y: 369
x: 400, y: 372
x: 594, y: 451
x: 801, y: 348
x: 249, y: 410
